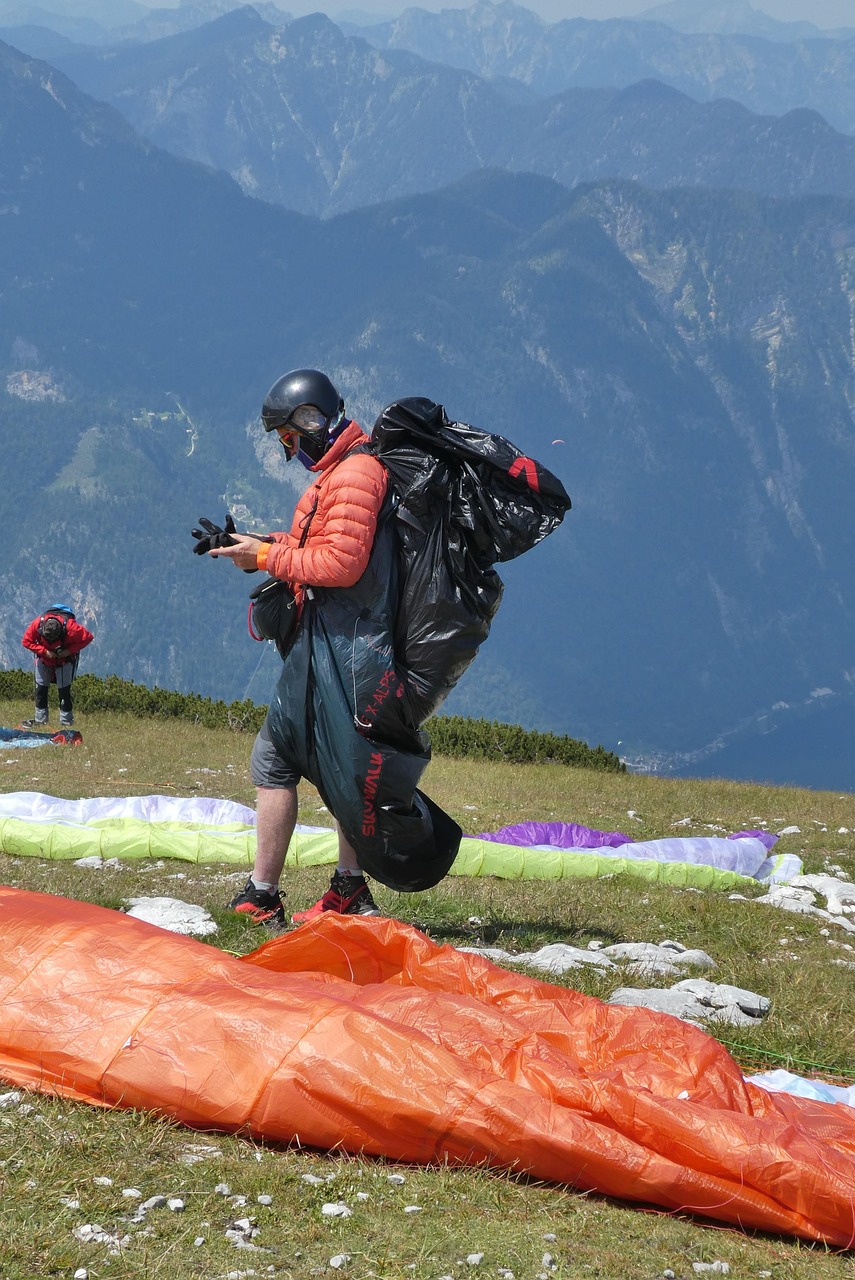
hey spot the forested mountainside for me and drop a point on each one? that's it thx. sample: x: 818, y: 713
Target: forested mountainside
x: 682, y: 359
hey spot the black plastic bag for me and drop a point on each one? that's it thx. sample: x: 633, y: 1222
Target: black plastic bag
x: 465, y: 499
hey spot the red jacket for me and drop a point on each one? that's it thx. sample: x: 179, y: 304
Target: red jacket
x: 75, y: 639
x: 349, y: 493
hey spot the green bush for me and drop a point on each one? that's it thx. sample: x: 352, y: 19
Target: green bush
x: 458, y: 737
x: 452, y: 736
x: 110, y: 693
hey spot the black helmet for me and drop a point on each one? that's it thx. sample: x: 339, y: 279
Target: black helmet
x: 305, y: 389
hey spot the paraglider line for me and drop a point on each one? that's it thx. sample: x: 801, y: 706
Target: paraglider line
x: 255, y: 672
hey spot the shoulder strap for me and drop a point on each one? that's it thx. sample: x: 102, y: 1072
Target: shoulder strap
x: 306, y: 522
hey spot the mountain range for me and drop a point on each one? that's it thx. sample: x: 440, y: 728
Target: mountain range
x: 736, y: 17
x: 308, y: 117
x: 708, y: 51
x: 505, y: 40
x: 681, y: 358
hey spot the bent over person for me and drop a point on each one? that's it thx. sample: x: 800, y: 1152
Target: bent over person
x: 327, y: 548
x: 56, y: 640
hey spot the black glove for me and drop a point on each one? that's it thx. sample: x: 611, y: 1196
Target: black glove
x: 211, y: 535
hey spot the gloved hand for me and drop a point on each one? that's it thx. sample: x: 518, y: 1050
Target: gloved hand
x: 211, y: 535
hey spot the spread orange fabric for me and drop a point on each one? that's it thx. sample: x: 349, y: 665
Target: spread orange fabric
x: 349, y: 493
x: 363, y: 1035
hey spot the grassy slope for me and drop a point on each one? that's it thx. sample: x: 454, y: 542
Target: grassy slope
x: 58, y: 1149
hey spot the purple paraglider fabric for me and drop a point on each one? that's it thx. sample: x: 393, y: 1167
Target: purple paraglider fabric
x: 572, y: 835
x: 561, y: 835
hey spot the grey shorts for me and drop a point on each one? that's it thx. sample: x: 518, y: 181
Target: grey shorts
x: 60, y: 676
x: 266, y: 767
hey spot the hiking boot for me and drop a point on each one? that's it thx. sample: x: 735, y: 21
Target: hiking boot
x: 259, y: 906
x: 66, y: 719
x: 33, y: 724
x: 347, y: 896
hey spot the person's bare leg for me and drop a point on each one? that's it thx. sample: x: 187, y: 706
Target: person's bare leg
x: 347, y: 859
x: 275, y: 819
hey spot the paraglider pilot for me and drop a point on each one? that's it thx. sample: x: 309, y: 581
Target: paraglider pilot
x: 55, y: 639
x: 328, y: 546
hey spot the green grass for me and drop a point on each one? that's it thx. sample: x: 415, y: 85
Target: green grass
x: 58, y: 1148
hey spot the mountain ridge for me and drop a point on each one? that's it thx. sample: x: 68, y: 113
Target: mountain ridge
x: 322, y: 123
x: 691, y: 348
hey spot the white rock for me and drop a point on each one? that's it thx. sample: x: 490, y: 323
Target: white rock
x: 263, y: 1199
x: 70, y: 1202
x: 648, y: 958
x: 153, y: 1202
x: 198, y: 1241
x: 196, y: 1152
x: 680, y: 1004
x: 222, y: 1189
x: 396, y: 1179
x: 785, y: 831
x: 339, y: 1260
x: 412, y: 1208
x: 173, y: 914
x: 10, y: 1099
x: 474, y: 1259
x: 312, y: 1179
x: 556, y: 957
x: 81, y: 1274
x: 103, y: 1182
x: 337, y: 1210
x: 176, y: 1204
x: 131, y: 1193
x: 791, y: 897
x: 715, y: 1268
x: 721, y: 995
x: 92, y: 1233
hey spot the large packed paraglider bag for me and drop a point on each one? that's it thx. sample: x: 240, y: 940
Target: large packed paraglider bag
x: 273, y: 613
x: 466, y: 499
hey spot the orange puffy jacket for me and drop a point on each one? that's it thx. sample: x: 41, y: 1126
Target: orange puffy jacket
x: 342, y: 507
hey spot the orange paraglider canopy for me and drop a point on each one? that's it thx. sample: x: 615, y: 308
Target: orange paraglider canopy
x: 362, y: 1034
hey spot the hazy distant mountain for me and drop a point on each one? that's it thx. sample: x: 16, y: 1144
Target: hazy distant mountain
x: 38, y: 42
x: 320, y: 122
x: 81, y: 29
x: 504, y: 40
x: 107, y: 13
x: 681, y: 359
x: 158, y: 23
x: 734, y: 17
x: 34, y: 29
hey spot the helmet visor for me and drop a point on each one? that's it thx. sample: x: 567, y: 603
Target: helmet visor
x: 307, y: 420
x: 306, y: 429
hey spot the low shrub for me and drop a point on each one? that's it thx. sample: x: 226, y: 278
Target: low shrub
x: 453, y: 736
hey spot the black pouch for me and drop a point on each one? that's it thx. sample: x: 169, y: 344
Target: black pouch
x: 273, y: 613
